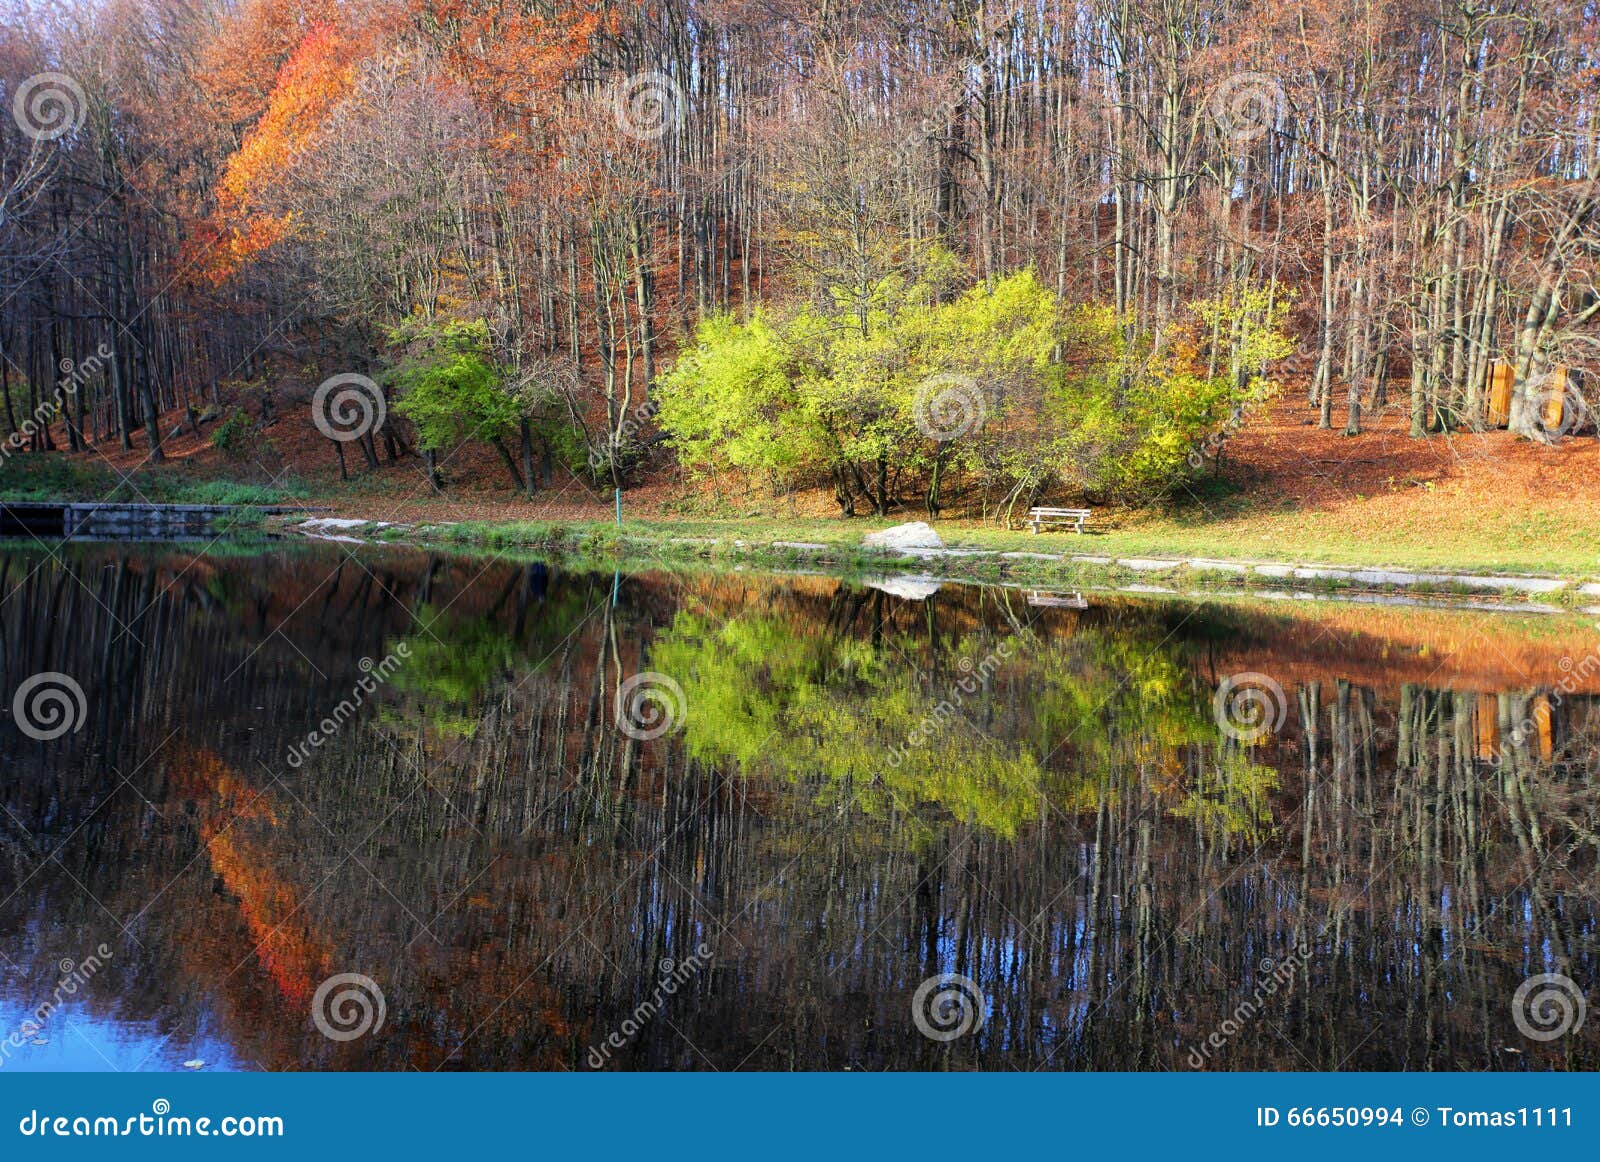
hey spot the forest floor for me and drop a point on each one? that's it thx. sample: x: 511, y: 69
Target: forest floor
x: 1285, y: 491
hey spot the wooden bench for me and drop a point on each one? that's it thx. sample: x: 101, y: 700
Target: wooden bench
x: 1039, y: 518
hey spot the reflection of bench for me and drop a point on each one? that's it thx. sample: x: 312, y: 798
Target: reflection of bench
x: 1040, y: 518
x: 1057, y: 600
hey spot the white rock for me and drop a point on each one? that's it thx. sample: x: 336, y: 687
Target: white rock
x: 916, y: 535
x: 1146, y: 564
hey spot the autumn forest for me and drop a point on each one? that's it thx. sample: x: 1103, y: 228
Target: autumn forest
x: 973, y: 249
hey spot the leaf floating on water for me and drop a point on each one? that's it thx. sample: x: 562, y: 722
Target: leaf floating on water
x: 40, y: 1041
x: 195, y: 1064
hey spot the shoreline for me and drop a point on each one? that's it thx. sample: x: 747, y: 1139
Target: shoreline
x: 1138, y: 555
x: 957, y: 564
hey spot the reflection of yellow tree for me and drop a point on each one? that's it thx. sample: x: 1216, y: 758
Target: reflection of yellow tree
x: 456, y: 659
x: 451, y: 662
x: 1228, y: 797
x: 993, y: 732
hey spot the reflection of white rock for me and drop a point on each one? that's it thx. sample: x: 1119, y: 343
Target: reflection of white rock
x: 911, y: 588
x: 916, y: 535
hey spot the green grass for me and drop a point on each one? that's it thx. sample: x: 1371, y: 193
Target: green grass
x: 638, y: 549
x: 1264, y: 537
x: 47, y: 477
x: 501, y: 534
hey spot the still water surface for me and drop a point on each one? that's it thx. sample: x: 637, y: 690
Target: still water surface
x: 301, y: 761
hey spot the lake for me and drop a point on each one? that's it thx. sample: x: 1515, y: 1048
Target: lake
x: 322, y: 806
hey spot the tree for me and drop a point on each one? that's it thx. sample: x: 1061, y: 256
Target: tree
x: 449, y: 387
x: 1003, y: 386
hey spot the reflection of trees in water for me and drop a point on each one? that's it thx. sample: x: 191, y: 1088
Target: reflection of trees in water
x: 1077, y: 835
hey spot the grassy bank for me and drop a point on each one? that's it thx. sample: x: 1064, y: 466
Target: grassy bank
x: 47, y: 477
x: 1046, y: 562
x: 1261, y: 537
x: 1412, y: 529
